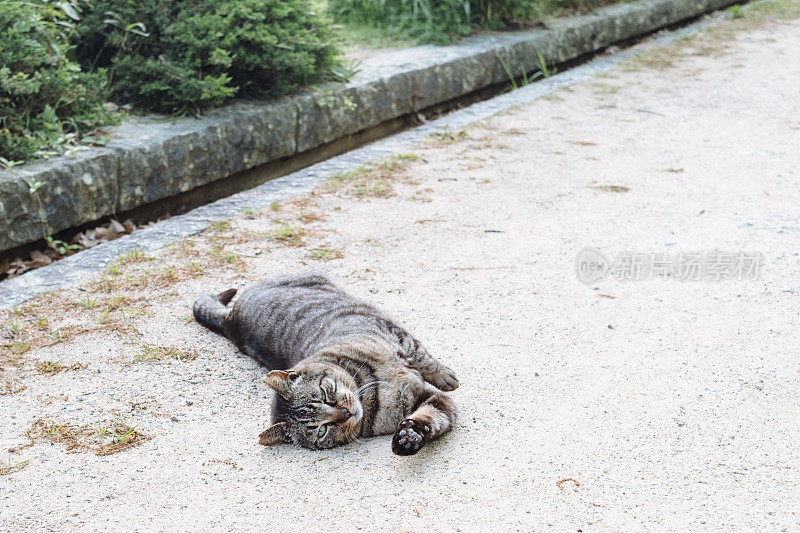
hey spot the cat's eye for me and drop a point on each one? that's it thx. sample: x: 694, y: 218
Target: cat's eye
x: 322, y: 430
x: 323, y: 396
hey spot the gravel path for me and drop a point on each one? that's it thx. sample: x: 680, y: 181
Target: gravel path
x: 651, y: 404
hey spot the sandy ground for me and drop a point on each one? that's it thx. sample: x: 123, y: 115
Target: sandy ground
x: 669, y: 404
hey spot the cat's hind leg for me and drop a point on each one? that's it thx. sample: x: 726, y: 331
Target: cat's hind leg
x: 433, y: 418
x: 433, y: 371
x: 210, y: 310
x: 416, y: 356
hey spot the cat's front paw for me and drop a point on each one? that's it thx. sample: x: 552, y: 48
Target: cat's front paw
x: 410, y: 437
x: 445, y: 379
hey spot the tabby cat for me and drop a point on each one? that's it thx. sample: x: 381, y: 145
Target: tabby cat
x: 340, y: 367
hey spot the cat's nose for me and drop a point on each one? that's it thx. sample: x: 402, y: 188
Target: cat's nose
x: 342, y: 415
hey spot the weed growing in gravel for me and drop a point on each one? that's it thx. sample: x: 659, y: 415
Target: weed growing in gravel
x: 54, y: 367
x: 102, y: 439
x: 289, y: 235
x: 134, y: 256
x: 378, y: 189
x: 87, y: 302
x: 372, y: 180
x: 325, y: 253
x: 446, y: 137
x: 11, y: 468
x: 657, y: 58
x: 220, y: 225
x: 307, y: 217
x: 35, y: 338
x: 223, y: 256
x: 13, y: 326
x: 28, y: 327
x: 152, y: 352
x: 164, y: 276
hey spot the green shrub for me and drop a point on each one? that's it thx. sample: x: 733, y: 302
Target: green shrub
x: 441, y: 21
x: 45, y: 99
x: 436, y: 21
x: 181, y: 55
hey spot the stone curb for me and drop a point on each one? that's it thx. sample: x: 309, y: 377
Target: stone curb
x: 78, y: 267
x: 149, y: 160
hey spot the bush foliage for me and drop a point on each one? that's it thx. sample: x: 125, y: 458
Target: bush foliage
x: 440, y: 21
x: 45, y: 98
x: 59, y: 61
x: 432, y: 20
x: 179, y: 55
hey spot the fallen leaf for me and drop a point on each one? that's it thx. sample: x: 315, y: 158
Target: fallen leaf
x: 85, y: 240
x: 116, y: 227
x: 39, y: 259
x: 105, y: 234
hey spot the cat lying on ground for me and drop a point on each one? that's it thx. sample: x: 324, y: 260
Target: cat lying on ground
x: 341, y: 368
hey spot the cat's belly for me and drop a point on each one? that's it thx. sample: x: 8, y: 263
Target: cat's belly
x: 395, y: 403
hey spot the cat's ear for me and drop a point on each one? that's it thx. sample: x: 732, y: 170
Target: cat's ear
x: 275, y: 434
x: 281, y: 382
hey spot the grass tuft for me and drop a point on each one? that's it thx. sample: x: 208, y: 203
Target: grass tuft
x: 325, y: 253
x: 102, y: 439
x: 373, y: 180
x: 51, y: 368
x: 151, y: 352
x: 288, y: 235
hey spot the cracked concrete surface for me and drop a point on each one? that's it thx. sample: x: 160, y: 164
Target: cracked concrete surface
x: 615, y: 405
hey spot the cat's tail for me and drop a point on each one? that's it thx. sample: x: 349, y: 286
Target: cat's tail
x: 210, y: 310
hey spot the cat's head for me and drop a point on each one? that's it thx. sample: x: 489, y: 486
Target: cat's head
x: 315, y: 406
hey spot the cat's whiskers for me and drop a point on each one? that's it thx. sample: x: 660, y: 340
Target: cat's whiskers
x: 358, y: 370
x: 366, y: 386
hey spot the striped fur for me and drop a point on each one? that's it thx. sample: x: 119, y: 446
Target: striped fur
x: 340, y: 367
